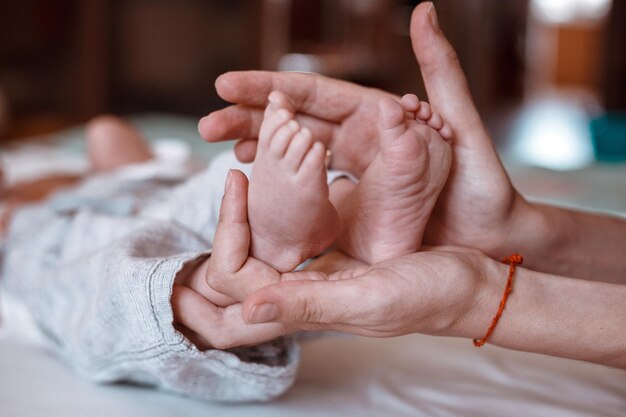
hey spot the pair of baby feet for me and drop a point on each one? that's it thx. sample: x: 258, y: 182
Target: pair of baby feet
x: 295, y: 215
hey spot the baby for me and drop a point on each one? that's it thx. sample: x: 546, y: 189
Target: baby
x: 96, y: 264
x: 294, y: 215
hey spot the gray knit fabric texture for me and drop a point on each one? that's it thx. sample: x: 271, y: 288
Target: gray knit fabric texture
x: 95, y: 266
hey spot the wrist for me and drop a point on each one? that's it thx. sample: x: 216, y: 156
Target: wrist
x: 544, y: 314
x: 480, y: 303
x: 525, y: 230
x: 539, y: 315
x: 535, y: 233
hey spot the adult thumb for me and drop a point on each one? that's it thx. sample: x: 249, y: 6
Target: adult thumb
x: 309, y: 305
x: 443, y: 76
x: 232, y: 237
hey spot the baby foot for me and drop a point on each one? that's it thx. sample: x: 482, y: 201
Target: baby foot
x: 385, y: 215
x: 112, y: 143
x: 290, y: 215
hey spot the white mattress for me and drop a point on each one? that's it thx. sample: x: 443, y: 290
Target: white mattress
x: 348, y: 376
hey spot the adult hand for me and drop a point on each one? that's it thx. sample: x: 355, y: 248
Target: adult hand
x: 206, y: 297
x: 478, y: 208
x: 335, y: 111
x: 434, y: 291
x: 456, y: 292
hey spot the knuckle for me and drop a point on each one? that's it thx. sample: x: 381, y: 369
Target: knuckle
x: 309, y: 311
x: 217, y: 282
x: 220, y: 341
x: 219, y: 336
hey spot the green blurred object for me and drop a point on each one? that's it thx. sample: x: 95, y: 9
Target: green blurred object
x: 609, y: 137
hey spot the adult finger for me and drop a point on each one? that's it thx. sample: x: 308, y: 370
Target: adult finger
x: 238, y: 285
x: 232, y: 122
x: 225, y: 289
x: 245, y: 150
x: 238, y: 121
x: 444, y: 79
x: 230, y: 272
x: 218, y: 328
x: 232, y: 237
x: 312, y: 94
x: 348, y: 304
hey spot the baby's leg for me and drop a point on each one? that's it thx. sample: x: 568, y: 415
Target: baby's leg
x: 291, y: 217
x: 385, y: 215
x: 111, y: 143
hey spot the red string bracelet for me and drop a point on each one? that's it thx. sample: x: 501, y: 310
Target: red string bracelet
x: 513, y: 261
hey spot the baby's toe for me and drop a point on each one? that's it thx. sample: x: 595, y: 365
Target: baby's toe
x: 391, y: 120
x: 435, y: 121
x: 273, y: 120
x: 424, y: 111
x: 410, y: 102
x: 446, y: 132
x: 282, y: 101
x: 298, y: 148
x: 279, y: 143
x: 313, y: 162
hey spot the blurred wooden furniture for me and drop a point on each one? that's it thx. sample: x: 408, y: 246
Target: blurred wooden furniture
x: 63, y: 61
x: 614, y: 72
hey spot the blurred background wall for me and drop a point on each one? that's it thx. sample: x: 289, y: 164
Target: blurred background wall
x: 63, y: 61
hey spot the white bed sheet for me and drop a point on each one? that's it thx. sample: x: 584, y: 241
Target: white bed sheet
x: 408, y: 376
x: 349, y: 376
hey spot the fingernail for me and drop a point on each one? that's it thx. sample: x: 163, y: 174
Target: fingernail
x: 433, y: 16
x: 229, y: 180
x: 263, y: 313
x: 272, y: 98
